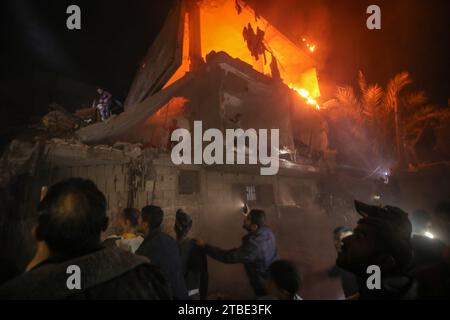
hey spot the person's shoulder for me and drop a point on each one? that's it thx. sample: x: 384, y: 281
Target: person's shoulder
x: 264, y: 233
x: 144, y: 282
x: 424, y: 245
x: 265, y: 229
x: 168, y: 239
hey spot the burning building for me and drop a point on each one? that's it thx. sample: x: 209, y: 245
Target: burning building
x: 221, y: 63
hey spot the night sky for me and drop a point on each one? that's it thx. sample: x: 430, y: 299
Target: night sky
x: 116, y: 34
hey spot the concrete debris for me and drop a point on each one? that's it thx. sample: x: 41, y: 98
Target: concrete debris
x: 20, y: 158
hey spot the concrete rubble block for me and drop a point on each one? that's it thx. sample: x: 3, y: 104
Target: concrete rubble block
x: 61, y: 149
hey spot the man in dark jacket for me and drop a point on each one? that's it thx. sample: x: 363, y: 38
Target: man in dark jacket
x: 195, y: 265
x: 257, y: 251
x: 162, y: 250
x: 71, y: 263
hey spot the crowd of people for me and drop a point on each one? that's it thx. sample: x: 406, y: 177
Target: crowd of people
x: 143, y: 262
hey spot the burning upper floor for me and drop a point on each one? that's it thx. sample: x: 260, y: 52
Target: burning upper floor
x: 193, y: 29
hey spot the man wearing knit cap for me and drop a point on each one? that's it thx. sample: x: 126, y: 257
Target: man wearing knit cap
x: 382, y: 239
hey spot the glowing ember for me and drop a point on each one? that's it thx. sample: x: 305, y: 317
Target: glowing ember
x: 311, y: 47
x: 306, y: 95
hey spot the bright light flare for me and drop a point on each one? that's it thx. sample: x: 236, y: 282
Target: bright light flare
x: 428, y: 235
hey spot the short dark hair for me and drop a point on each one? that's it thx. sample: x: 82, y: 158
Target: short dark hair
x: 72, y: 216
x: 132, y: 215
x: 183, y: 223
x: 257, y: 217
x: 286, y: 276
x: 153, y: 215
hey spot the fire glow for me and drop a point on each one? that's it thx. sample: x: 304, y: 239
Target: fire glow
x: 203, y: 34
x: 311, y: 47
x: 306, y: 96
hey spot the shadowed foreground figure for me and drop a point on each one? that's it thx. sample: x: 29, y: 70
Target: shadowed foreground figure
x: 257, y: 251
x: 434, y: 276
x: 381, y: 238
x: 195, y: 264
x: 348, y: 279
x: 284, y: 281
x: 426, y: 249
x: 71, y: 219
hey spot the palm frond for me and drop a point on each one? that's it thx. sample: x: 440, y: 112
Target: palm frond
x: 362, y: 82
x: 413, y: 103
x: 395, y: 85
x: 347, y: 98
x: 416, y: 99
x: 428, y: 114
x: 372, y: 99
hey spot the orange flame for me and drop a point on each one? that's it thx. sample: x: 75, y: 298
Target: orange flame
x: 306, y: 96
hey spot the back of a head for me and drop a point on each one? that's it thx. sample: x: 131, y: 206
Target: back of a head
x: 131, y: 215
x: 286, y: 276
x: 152, y: 215
x: 258, y: 217
x: 72, y: 216
x: 183, y: 223
x: 393, y: 231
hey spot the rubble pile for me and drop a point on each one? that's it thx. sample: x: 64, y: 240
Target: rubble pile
x: 59, y: 121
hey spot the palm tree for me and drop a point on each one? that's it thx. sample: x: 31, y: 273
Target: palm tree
x: 395, y: 86
x: 380, y: 118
